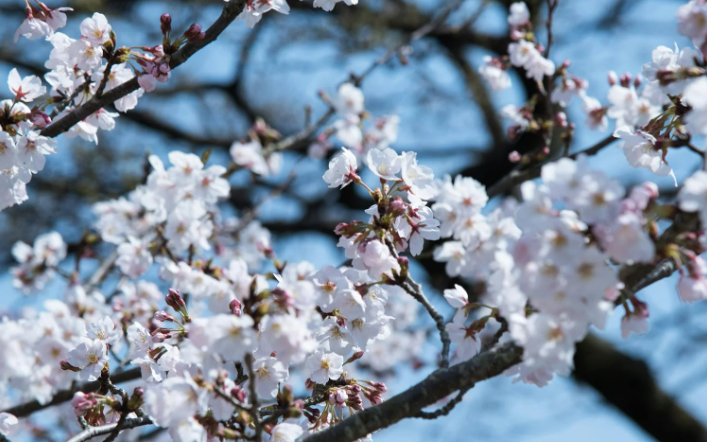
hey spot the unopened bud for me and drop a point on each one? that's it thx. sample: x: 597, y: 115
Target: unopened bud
x: 83, y: 402
x: 194, y: 33
x: 162, y: 315
x: 236, y: 307
x: 136, y: 399
x: 625, y: 79
x: 356, y: 356
x: 160, y: 337
x: 174, y: 299
x: 612, y: 78
x: 122, y: 54
x: 380, y: 386
x: 640, y: 308
x: 238, y: 393
x: 285, y: 396
x: 560, y: 119
x: 338, y: 398
x: 514, y: 157
x: 397, y: 206
x: 638, y: 80
x: 375, y: 398
x: 165, y: 23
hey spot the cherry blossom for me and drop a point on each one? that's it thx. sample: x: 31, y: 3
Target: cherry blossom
x: 7, y: 422
x: 26, y: 89
x: 90, y: 356
x: 96, y: 29
x: 342, y: 169
x: 518, y: 14
x: 324, y: 366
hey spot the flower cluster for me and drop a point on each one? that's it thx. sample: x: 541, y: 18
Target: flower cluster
x: 230, y: 324
x: 545, y: 262
x: 349, y: 128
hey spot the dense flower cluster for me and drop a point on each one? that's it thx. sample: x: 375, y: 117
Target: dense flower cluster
x: 230, y: 326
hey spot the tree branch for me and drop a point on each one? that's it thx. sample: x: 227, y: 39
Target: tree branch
x: 65, y: 395
x: 628, y: 384
x: 410, y: 403
x: 229, y: 13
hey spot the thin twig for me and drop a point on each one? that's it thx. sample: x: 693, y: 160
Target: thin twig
x: 415, y: 35
x: 106, y: 76
x: 415, y: 290
x: 103, y: 270
x: 551, y: 5
x: 445, y: 410
x: 231, y: 400
x: 520, y: 176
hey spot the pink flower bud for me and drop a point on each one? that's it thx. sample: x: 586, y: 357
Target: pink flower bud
x: 638, y: 80
x: 174, y: 299
x: 238, y: 393
x: 640, y: 307
x: 194, y: 33
x: 625, y: 79
x: 162, y: 315
x: 375, y: 398
x: 160, y: 337
x: 40, y: 119
x: 236, y: 307
x: 560, y: 119
x: 165, y: 23
x: 380, y: 386
x: 338, y: 398
x: 612, y: 78
x: 514, y: 157
x: 83, y: 402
